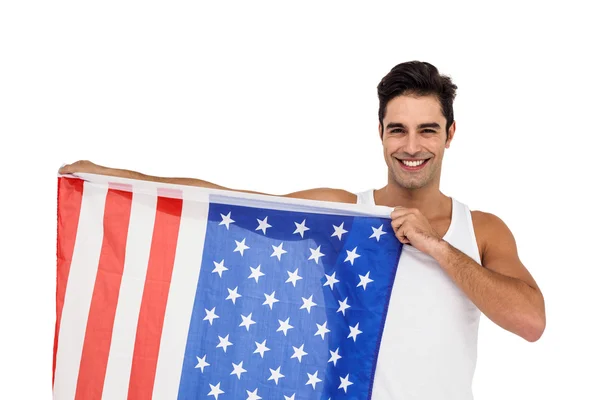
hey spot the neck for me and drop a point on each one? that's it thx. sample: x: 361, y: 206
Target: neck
x: 429, y: 200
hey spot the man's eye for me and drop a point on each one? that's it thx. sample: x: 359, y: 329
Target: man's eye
x: 396, y: 130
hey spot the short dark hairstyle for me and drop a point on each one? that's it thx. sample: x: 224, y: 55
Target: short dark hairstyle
x: 417, y: 78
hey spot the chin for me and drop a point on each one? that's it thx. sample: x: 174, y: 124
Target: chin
x: 412, y: 185
x: 408, y: 184
x: 414, y: 182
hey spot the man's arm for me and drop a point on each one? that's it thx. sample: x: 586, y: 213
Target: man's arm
x: 84, y: 166
x: 503, y: 289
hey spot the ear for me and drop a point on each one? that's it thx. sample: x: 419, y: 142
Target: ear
x: 450, y: 134
x: 380, y: 128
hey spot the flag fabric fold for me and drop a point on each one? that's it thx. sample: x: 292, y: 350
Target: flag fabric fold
x: 178, y: 292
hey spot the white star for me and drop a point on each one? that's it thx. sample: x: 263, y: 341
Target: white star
x: 308, y: 303
x: 255, y: 273
x: 293, y: 277
x: 377, y: 232
x: 331, y: 280
x: 238, y: 369
x: 312, y: 379
x: 270, y: 300
x: 210, y: 315
x: 247, y: 321
x: 215, y: 390
x: 322, y: 330
x: 226, y: 220
x: 345, y: 382
x: 241, y: 246
x: 253, y: 395
x: 354, y: 332
x: 334, y: 356
x: 299, y: 352
x: 343, y: 306
x: 261, y: 348
x: 263, y: 225
x: 351, y: 256
x: 339, y: 231
x: 202, y: 363
x: 219, y: 268
x: 315, y: 254
x: 292, y: 397
x: 301, y: 228
x: 224, y: 342
x: 276, y: 375
x: 278, y: 251
x: 284, y: 326
x: 233, y: 294
x: 364, y: 280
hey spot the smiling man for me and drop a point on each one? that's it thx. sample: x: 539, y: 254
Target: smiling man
x: 456, y: 263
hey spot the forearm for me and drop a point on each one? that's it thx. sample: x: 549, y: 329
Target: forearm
x: 322, y: 194
x: 508, y: 302
x: 124, y: 173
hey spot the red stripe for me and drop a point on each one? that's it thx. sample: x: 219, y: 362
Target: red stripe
x: 101, y: 318
x: 154, y: 298
x: 70, y: 193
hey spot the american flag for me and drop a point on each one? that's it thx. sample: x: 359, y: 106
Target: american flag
x: 173, y: 292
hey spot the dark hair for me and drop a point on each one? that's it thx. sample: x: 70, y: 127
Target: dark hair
x: 417, y: 78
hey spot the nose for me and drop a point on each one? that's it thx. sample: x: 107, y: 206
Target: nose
x: 412, y: 143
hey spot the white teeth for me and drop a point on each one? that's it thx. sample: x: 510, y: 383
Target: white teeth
x: 412, y: 163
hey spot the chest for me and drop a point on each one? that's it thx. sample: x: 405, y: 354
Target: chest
x: 420, y: 279
x: 441, y: 224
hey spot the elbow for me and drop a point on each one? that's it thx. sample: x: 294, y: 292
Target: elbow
x: 533, y: 334
x: 534, y: 328
x: 534, y: 320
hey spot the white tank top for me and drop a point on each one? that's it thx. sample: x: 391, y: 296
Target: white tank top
x: 429, y: 345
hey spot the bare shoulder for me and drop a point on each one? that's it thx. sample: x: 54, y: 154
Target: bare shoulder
x: 498, y: 247
x: 325, y: 194
x: 486, y: 221
x: 491, y: 232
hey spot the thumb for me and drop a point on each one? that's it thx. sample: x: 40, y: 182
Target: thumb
x: 63, y: 169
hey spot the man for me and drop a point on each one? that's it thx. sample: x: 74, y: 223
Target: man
x: 456, y: 262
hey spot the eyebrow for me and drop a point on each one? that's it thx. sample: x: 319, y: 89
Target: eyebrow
x: 434, y: 125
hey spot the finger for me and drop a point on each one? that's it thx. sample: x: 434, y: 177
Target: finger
x: 401, y: 224
x: 65, y: 169
x: 400, y: 211
x: 401, y: 229
x: 401, y: 235
x: 397, y: 223
x: 397, y: 212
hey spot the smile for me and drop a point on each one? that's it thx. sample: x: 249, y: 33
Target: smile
x: 413, y: 165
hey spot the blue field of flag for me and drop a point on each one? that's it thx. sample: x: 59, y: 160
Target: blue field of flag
x: 289, y: 305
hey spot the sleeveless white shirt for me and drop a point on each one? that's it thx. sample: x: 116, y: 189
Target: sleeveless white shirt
x: 429, y: 345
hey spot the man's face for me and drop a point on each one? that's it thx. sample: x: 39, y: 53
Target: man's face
x: 414, y: 139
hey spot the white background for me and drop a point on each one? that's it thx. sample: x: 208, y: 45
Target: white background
x: 277, y: 97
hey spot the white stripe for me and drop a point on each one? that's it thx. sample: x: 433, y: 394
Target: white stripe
x: 182, y: 292
x: 137, y: 253
x: 79, y: 290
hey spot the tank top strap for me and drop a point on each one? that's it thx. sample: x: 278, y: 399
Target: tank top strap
x: 365, y: 197
x: 463, y: 232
